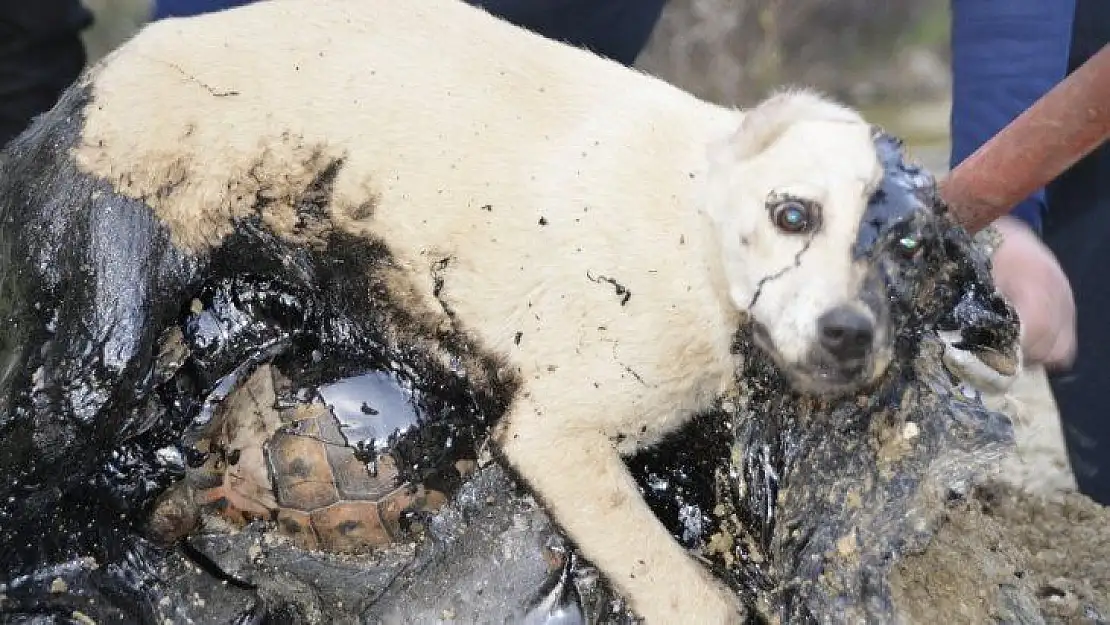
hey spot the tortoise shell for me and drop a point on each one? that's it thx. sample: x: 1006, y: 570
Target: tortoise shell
x: 292, y: 465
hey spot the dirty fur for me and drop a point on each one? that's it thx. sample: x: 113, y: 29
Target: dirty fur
x: 480, y: 179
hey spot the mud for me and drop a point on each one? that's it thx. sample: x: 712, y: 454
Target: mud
x: 1001, y: 544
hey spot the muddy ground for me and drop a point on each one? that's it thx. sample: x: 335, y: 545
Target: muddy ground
x: 1005, y: 538
x: 1028, y: 528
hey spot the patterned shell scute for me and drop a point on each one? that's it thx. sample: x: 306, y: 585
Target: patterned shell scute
x: 293, y: 466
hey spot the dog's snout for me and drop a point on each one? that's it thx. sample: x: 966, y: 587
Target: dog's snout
x: 846, y: 333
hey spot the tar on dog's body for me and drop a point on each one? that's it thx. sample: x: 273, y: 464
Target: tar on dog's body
x: 582, y: 240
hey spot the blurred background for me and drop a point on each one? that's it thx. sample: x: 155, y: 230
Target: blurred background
x: 889, y: 59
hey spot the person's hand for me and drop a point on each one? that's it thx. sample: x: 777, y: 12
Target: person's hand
x: 1028, y: 274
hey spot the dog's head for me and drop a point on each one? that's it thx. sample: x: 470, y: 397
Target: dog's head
x: 816, y: 214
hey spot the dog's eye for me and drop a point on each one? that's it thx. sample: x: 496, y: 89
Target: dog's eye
x: 909, y: 245
x: 794, y: 217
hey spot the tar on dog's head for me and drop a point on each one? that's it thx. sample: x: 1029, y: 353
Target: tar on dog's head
x: 815, y: 212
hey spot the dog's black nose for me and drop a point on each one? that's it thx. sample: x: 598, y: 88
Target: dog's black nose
x: 845, y: 333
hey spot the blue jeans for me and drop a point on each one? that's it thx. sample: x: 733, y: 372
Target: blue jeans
x: 617, y: 29
x: 1077, y: 228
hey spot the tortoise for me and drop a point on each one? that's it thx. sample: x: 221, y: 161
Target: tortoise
x: 297, y: 465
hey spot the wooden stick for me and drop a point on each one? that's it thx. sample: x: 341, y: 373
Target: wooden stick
x: 1066, y: 124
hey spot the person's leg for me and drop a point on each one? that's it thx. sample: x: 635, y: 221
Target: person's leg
x: 41, y: 53
x: 617, y: 29
x: 1078, y: 231
x: 188, y: 8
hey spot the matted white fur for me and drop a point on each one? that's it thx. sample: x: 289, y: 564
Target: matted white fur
x: 539, y: 172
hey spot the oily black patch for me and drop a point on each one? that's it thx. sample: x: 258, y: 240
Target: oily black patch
x: 456, y: 411
x: 88, y: 279
x: 335, y: 311
x: 911, y: 245
x: 944, y: 279
x: 677, y: 475
x: 905, y: 191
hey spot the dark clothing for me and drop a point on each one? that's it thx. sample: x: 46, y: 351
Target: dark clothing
x: 41, y: 53
x: 1078, y: 231
x: 1006, y: 54
x: 617, y: 29
x: 186, y: 8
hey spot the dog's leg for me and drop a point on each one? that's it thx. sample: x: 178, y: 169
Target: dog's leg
x: 582, y: 481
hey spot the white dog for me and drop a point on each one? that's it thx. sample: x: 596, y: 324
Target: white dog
x: 597, y: 233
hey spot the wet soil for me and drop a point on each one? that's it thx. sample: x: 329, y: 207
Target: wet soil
x: 1001, y: 544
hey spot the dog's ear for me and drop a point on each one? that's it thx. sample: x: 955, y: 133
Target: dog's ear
x: 763, y: 124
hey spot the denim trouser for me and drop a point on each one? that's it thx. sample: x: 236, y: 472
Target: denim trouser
x: 1077, y: 228
x: 617, y: 29
x: 41, y: 52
